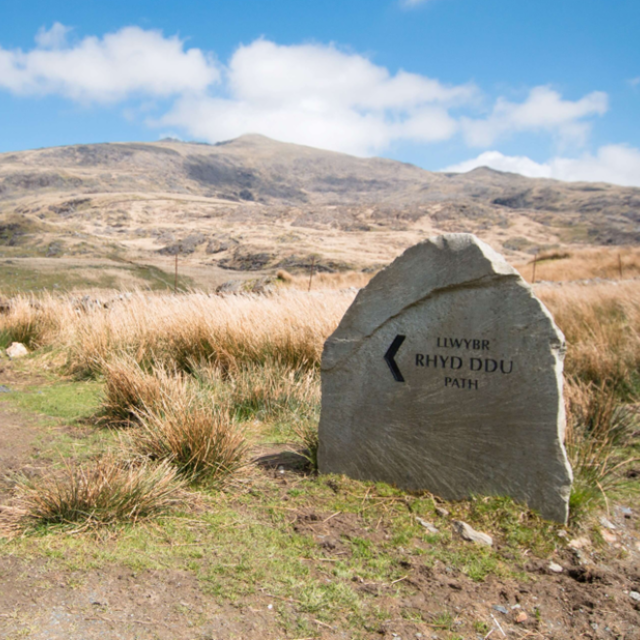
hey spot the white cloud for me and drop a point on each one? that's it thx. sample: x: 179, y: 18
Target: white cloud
x: 274, y: 74
x: 634, y: 82
x: 107, y: 69
x: 321, y: 96
x: 53, y: 38
x: 311, y: 94
x: 543, y: 110
x: 615, y: 163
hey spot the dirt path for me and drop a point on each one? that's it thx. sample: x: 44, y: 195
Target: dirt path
x: 19, y: 432
x: 18, y: 436
x: 41, y: 600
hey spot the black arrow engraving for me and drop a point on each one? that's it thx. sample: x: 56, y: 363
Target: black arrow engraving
x: 391, y: 354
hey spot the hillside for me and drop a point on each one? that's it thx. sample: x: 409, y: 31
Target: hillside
x: 253, y: 203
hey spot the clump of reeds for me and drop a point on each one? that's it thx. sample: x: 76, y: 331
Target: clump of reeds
x: 100, y: 493
x: 35, y: 322
x: 268, y: 391
x: 599, y: 432
x: 602, y: 327
x: 284, y: 276
x: 182, y: 331
x: 198, y: 439
x: 307, y: 433
x: 130, y: 390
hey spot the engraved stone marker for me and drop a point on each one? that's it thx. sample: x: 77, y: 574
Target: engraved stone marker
x: 445, y: 374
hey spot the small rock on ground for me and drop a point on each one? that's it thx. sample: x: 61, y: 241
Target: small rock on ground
x: 580, y: 543
x: 17, y: 350
x: 468, y: 533
x: 427, y: 525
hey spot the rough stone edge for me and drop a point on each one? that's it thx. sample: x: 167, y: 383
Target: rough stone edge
x: 500, y: 268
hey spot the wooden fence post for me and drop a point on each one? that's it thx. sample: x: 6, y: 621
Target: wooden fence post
x: 620, y: 264
x: 175, y: 277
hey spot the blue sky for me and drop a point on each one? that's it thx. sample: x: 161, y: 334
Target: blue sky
x: 545, y: 88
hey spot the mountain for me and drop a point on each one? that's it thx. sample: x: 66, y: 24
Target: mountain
x: 254, y: 203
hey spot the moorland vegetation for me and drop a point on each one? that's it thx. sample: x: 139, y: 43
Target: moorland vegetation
x: 192, y: 388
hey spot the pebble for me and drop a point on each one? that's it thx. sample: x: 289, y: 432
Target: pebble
x: 634, y: 595
x: 501, y: 609
x: 17, y: 350
x: 580, y: 543
x: 427, y: 525
x: 468, y: 533
x: 442, y: 512
x: 521, y: 617
x: 4, y: 389
x: 607, y: 523
x: 554, y: 567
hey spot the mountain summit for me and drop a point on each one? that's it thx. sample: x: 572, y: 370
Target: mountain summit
x: 226, y: 203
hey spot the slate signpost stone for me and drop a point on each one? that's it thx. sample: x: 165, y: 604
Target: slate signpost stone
x: 445, y: 374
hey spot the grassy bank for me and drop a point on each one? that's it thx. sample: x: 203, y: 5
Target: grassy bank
x: 207, y: 409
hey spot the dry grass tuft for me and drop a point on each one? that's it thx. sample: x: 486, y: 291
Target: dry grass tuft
x: 269, y: 390
x: 128, y: 390
x: 201, y: 441
x: 35, y: 322
x: 599, y: 429
x: 602, y: 326
x: 284, y: 276
x: 104, y: 493
x: 307, y: 433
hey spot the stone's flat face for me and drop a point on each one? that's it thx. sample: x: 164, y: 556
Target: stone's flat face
x: 445, y: 375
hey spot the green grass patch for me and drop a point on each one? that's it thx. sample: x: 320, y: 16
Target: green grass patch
x: 69, y: 401
x: 18, y: 276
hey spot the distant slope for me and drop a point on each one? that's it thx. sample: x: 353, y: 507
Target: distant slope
x: 253, y: 203
x: 252, y: 167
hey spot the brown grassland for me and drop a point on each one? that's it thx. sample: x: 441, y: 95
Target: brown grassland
x: 199, y: 408
x: 566, y: 265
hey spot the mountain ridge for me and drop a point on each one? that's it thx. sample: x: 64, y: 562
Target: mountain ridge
x: 222, y: 205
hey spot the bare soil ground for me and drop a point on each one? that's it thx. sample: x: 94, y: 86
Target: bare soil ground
x: 44, y: 597
x: 41, y: 601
